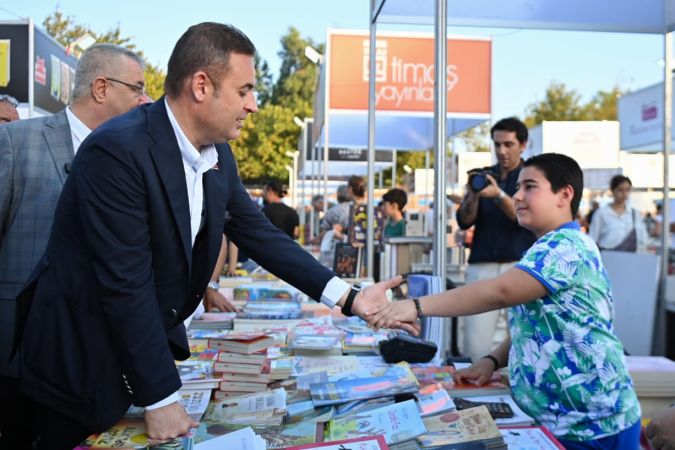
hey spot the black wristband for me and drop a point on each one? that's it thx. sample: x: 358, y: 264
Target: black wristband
x: 347, y: 307
x: 416, y: 301
x: 494, y: 361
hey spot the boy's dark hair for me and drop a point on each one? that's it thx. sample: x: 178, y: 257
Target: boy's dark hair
x: 513, y: 125
x: 618, y: 180
x: 560, y: 171
x: 357, y: 185
x: 276, y: 187
x: 397, y: 196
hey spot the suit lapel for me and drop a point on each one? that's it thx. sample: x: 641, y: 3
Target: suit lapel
x: 215, y: 204
x: 169, y: 163
x: 56, y: 131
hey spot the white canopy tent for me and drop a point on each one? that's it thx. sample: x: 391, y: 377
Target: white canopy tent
x: 621, y: 16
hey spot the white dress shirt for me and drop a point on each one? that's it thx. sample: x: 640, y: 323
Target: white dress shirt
x: 78, y: 130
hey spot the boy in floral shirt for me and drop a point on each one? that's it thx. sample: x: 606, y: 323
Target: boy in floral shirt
x: 566, y: 364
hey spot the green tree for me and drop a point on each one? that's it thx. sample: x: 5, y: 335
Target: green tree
x: 65, y: 30
x: 603, y: 105
x: 559, y: 103
x: 261, y: 149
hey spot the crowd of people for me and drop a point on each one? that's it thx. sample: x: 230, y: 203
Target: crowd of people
x: 118, y: 215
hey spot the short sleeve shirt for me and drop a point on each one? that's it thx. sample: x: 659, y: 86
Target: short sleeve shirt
x: 566, y: 364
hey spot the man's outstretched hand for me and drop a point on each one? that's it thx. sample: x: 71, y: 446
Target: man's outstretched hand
x: 373, y: 298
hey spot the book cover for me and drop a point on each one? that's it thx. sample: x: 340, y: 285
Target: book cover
x: 195, y: 402
x: 314, y: 342
x: 519, y: 416
x: 397, y: 379
x: 242, y: 439
x: 345, y: 261
x: 130, y: 434
x: 473, y: 424
x: 331, y: 364
x: 397, y: 422
x: 277, y: 437
x: 364, y: 443
x: 530, y: 438
x: 433, y: 399
x: 431, y: 375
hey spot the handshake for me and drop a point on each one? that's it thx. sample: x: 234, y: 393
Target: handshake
x: 372, y: 305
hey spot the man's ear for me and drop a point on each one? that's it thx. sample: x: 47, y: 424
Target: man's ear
x: 99, y: 89
x: 200, y: 85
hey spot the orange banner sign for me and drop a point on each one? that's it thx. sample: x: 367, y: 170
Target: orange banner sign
x: 405, y: 73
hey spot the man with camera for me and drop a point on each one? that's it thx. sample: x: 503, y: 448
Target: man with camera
x: 498, y: 240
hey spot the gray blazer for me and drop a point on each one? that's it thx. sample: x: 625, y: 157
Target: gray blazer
x: 33, y: 158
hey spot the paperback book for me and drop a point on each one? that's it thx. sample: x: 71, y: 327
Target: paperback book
x: 397, y: 379
x: 398, y: 422
x: 457, y: 427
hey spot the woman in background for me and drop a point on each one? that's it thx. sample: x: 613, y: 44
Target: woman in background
x: 618, y: 226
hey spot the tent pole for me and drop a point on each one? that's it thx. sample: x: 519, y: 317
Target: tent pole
x: 440, y: 136
x: 370, y: 241
x: 659, y: 335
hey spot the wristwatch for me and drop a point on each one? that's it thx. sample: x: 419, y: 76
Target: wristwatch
x: 213, y: 285
x: 347, y: 307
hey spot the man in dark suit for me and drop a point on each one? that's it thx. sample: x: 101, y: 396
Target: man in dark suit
x: 136, y: 235
x: 35, y: 157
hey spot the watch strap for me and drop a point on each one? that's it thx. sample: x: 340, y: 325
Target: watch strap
x: 347, y: 307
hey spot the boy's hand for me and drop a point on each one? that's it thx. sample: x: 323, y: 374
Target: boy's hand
x: 479, y: 373
x: 395, y: 314
x: 661, y: 430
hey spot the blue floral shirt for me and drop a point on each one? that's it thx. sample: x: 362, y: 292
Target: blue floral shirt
x: 566, y: 364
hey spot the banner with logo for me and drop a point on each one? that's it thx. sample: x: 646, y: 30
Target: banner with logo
x: 641, y: 119
x: 405, y: 73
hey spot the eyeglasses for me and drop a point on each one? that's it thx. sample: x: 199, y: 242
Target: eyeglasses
x: 138, y: 88
x: 9, y: 99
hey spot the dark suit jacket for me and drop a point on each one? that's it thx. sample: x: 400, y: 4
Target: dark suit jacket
x: 33, y: 158
x: 106, y: 304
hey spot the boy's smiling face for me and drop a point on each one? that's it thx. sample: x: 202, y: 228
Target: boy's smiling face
x: 538, y: 208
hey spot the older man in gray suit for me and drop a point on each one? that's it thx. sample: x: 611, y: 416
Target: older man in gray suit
x: 35, y: 157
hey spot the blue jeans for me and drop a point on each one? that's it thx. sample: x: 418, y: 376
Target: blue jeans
x: 628, y: 439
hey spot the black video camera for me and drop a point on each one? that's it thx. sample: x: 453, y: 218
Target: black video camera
x: 478, y: 178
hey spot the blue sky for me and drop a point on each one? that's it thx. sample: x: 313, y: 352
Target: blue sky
x: 524, y: 61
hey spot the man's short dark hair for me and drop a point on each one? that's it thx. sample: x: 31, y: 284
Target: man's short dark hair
x: 512, y: 125
x: 276, y: 187
x: 618, y: 180
x: 560, y: 171
x: 206, y: 46
x: 396, y: 196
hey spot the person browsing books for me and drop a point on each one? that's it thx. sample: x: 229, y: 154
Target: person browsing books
x: 566, y: 365
x: 134, y: 242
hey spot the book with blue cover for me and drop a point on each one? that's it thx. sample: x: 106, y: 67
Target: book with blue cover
x: 397, y: 423
x: 397, y: 379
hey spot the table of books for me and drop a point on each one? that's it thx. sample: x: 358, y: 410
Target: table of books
x: 287, y: 373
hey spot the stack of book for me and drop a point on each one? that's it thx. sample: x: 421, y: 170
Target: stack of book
x: 308, y: 339
x: 262, y: 314
x: 653, y: 376
x: 213, y: 320
x: 247, y: 365
x: 362, y: 343
x: 458, y: 427
x: 397, y: 379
